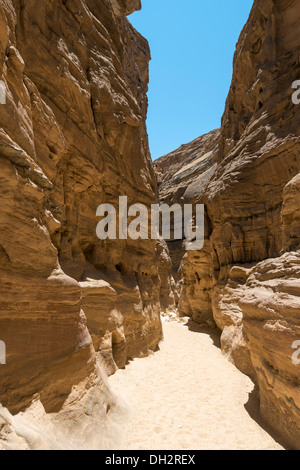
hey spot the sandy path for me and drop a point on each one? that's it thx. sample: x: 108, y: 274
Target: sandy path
x: 188, y: 396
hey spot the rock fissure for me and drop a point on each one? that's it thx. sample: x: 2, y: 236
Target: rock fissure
x: 75, y: 309
x: 253, y: 215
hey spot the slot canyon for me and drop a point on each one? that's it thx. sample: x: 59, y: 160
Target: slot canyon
x: 142, y: 344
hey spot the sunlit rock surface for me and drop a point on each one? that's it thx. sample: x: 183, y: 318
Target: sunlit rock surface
x: 246, y: 279
x: 72, y: 136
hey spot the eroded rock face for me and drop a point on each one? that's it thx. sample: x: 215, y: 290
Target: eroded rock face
x: 125, y: 7
x: 72, y: 136
x: 182, y: 176
x: 248, y: 271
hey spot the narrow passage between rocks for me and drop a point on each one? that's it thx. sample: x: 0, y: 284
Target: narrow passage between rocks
x: 189, y: 396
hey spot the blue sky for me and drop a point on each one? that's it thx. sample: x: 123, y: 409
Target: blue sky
x: 192, y: 45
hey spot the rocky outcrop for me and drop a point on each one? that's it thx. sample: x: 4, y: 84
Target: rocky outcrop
x: 125, y: 7
x: 247, y: 276
x: 182, y: 176
x: 72, y: 136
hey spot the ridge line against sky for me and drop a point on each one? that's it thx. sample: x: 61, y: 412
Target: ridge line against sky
x: 192, y: 45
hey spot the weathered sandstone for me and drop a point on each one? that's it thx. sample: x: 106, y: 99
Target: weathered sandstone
x: 72, y: 136
x: 246, y: 278
x: 182, y: 175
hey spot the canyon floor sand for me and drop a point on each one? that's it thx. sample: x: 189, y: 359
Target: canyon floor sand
x: 188, y: 396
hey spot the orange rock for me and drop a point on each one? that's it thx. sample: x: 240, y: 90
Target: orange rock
x: 246, y: 278
x: 72, y: 136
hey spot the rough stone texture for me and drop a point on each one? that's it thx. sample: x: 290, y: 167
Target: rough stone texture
x: 182, y: 176
x: 248, y: 271
x: 72, y: 136
x: 125, y: 7
x: 270, y: 307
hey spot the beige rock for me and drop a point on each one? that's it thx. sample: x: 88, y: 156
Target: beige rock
x: 182, y: 176
x: 246, y: 277
x: 72, y: 136
x: 270, y: 309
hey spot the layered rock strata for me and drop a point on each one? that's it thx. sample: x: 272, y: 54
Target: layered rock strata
x: 72, y: 136
x: 247, y: 276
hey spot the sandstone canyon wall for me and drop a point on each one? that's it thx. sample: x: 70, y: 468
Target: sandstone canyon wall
x: 182, y: 176
x: 72, y: 136
x: 247, y: 277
